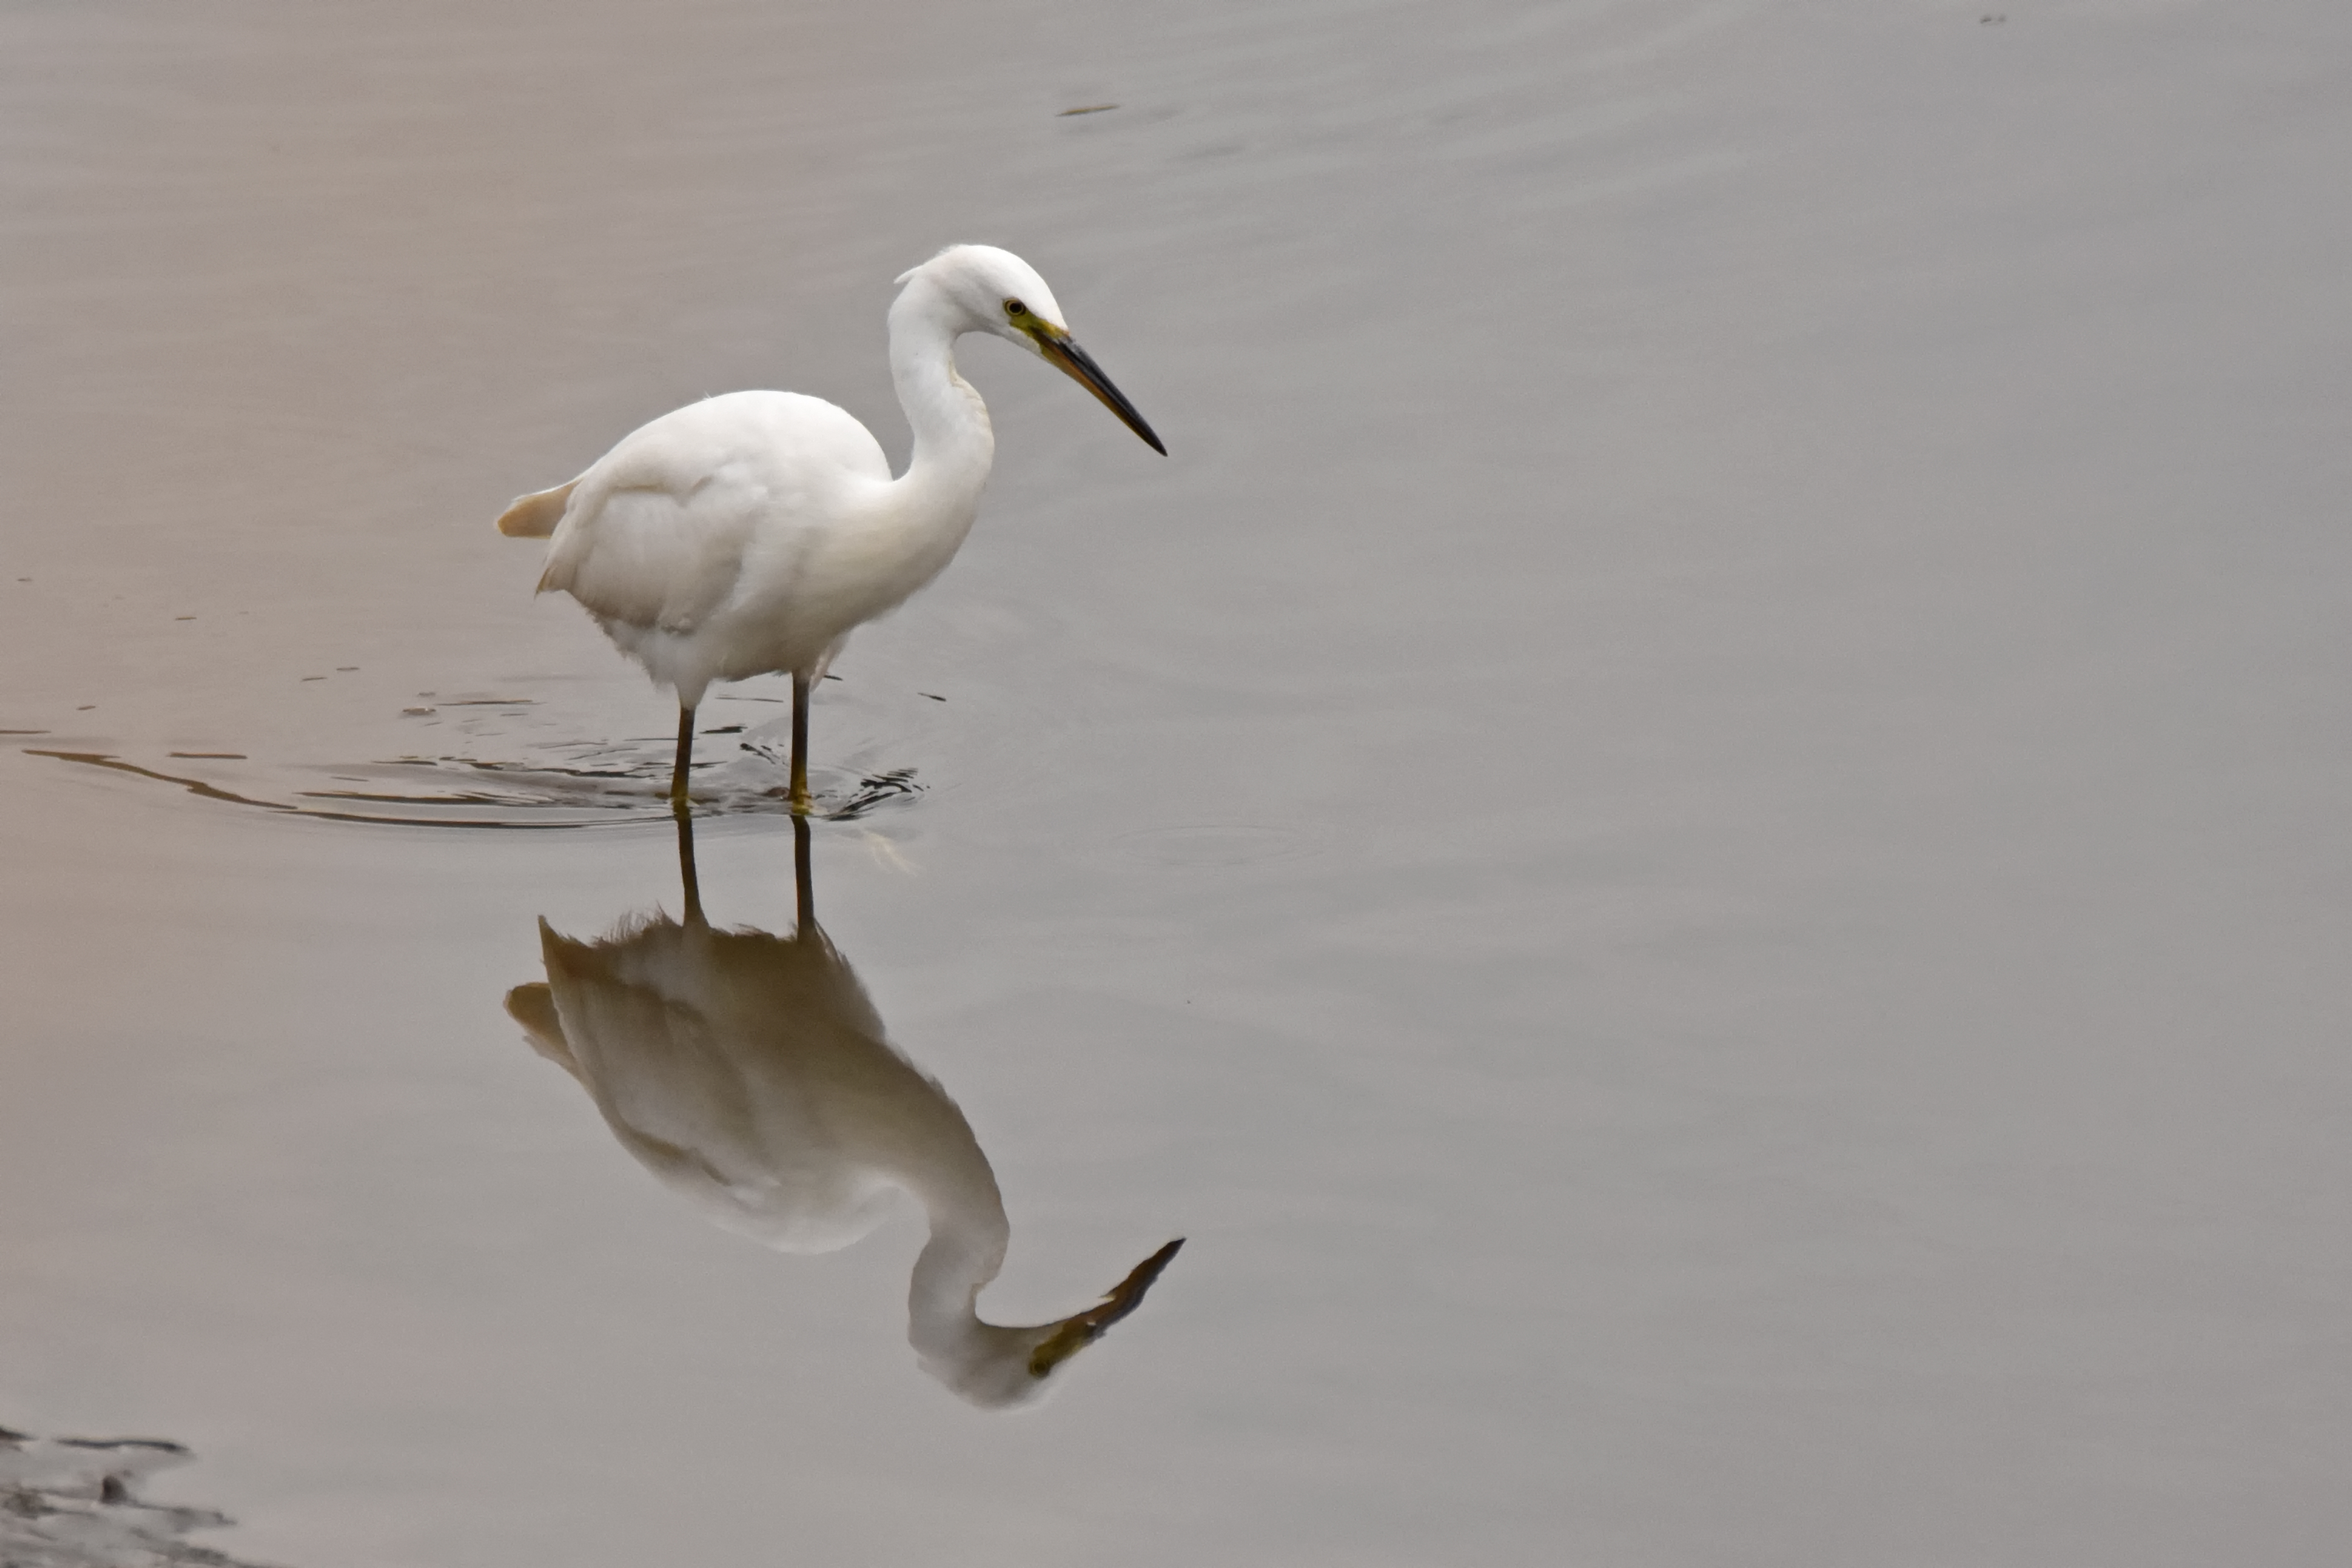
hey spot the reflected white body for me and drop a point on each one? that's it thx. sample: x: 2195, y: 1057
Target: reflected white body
x: 749, y: 1073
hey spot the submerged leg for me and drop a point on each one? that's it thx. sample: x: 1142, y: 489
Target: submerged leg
x: 804, y: 886
x: 800, y: 746
x: 692, y: 883
x: 685, y: 755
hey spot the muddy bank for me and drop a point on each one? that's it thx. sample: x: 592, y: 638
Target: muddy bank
x: 74, y: 1503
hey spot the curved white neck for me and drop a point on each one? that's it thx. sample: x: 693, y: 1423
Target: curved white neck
x: 954, y: 443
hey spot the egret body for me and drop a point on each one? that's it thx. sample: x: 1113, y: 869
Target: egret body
x: 749, y: 534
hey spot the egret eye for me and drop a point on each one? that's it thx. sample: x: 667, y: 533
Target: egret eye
x: 1016, y: 307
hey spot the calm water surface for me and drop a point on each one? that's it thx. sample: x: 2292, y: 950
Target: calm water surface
x: 1698, y: 836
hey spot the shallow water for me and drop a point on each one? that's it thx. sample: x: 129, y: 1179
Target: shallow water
x: 1696, y: 836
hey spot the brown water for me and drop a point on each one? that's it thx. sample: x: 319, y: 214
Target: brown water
x: 1697, y: 835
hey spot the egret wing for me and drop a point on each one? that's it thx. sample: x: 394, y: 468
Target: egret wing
x: 659, y: 531
x: 652, y: 555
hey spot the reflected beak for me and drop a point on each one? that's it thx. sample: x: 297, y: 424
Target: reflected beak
x: 1079, y: 365
x: 1072, y: 1335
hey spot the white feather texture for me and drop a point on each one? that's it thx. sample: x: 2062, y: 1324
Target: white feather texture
x: 709, y: 543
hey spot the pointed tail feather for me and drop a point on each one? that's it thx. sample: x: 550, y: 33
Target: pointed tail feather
x: 535, y: 516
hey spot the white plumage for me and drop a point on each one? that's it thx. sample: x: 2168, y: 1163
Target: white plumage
x: 750, y: 533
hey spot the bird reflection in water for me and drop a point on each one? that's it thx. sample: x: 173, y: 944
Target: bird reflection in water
x: 751, y: 1074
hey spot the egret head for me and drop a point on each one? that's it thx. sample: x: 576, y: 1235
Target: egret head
x: 1002, y: 1368
x: 986, y: 290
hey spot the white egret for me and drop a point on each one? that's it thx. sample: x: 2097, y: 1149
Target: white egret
x: 748, y: 534
x: 750, y: 1075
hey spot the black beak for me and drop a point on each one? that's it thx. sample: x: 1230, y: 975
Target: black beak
x: 1074, y: 1334
x: 1080, y: 366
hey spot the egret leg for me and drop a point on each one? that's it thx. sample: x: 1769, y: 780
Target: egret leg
x: 692, y: 883
x: 800, y: 746
x: 685, y: 755
x: 803, y: 885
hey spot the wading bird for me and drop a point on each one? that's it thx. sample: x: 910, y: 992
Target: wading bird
x: 749, y: 534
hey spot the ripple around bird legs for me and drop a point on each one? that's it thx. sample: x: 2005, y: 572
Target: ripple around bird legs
x: 585, y: 785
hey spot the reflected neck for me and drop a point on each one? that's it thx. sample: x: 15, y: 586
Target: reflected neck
x: 964, y: 1252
